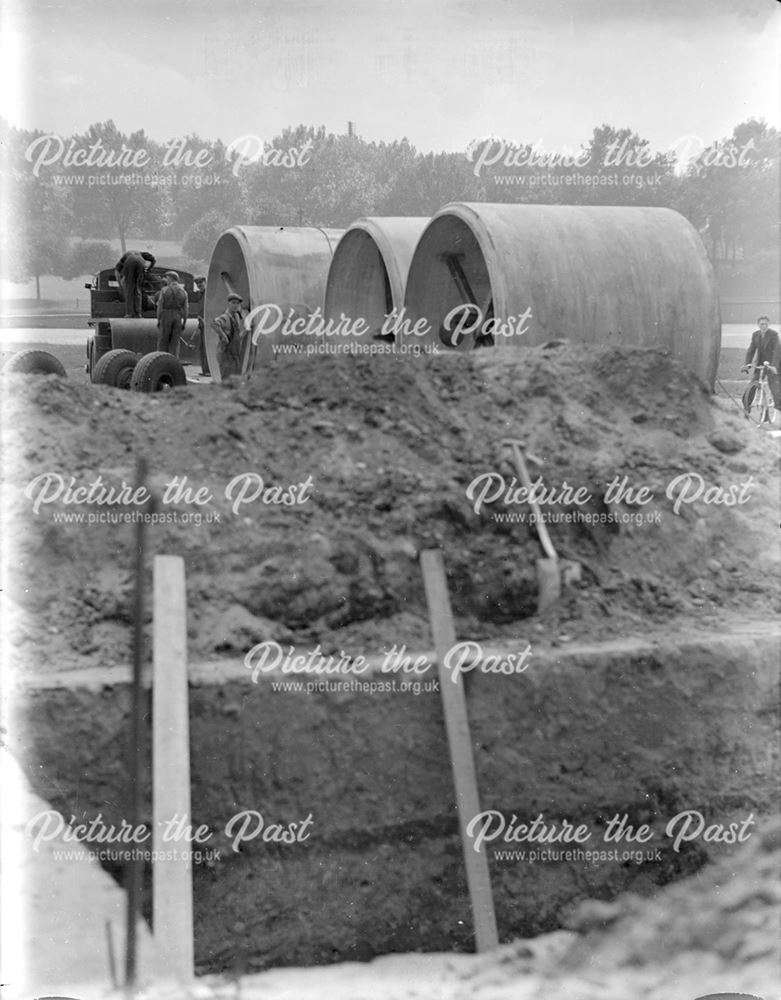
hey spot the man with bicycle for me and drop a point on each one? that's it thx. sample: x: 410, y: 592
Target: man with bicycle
x: 764, y: 347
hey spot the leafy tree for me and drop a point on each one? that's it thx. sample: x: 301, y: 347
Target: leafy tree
x: 45, y: 250
x: 330, y: 181
x: 624, y: 168
x: 197, y: 189
x: 616, y: 167
x: 87, y: 257
x: 38, y: 247
x: 517, y: 173
x: 200, y: 238
x: 727, y: 190
x: 36, y: 217
x: 435, y: 179
x: 394, y: 164
x: 116, y: 199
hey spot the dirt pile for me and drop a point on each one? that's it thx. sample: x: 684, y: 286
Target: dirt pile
x: 363, y: 464
x: 715, y: 932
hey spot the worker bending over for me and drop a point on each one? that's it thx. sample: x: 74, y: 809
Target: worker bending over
x: 130, y: 270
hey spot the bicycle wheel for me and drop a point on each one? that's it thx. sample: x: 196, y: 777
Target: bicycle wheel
x: 751, y: 398
x: 762, y: 409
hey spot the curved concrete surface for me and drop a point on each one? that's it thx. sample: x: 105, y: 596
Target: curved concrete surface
x: 286, y: 267
x: 635, y: 277
x: 368, y: 273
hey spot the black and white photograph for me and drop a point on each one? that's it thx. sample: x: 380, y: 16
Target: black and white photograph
x: 390, y: 422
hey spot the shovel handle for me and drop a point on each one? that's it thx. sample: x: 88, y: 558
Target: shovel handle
x: 523, y: 472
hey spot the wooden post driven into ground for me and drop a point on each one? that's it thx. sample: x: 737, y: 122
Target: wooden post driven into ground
x: 460, y: 743
x: 172, y: 894
x: 136, y: 762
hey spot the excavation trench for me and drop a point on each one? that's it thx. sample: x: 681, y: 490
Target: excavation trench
x: 648, y: 729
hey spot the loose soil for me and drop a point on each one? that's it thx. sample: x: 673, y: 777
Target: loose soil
x: 390, y: 446
x: 713, y: 933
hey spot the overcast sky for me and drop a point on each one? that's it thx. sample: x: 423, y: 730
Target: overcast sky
x: 440, y: 72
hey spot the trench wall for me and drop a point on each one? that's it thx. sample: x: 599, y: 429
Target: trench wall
x: 629, y: 727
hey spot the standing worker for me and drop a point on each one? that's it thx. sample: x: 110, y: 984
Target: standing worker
x: 172, y: 312
x: 765, y: 346
x: 130, y: 270
x: 229, y: 329
x: 200, y: 296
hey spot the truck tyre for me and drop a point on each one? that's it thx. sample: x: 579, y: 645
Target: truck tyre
x: 157, y: 372
x: 34, y: 362
x: 115, y: 368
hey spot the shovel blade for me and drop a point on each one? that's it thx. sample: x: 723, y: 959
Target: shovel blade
x: 548, y: 584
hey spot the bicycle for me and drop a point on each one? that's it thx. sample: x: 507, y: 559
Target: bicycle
x: 758, y: 402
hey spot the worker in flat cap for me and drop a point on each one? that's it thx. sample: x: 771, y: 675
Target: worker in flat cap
x: 229, y: 327
x: 172, y: 310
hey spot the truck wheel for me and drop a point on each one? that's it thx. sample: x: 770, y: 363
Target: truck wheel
x: 34, y: 363
x: 115, y: 368
x: 157, y: 372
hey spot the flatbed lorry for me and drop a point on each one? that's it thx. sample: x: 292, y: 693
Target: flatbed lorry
x: 122, y: 351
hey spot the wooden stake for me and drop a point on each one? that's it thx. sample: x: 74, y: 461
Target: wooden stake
x: 460, y: 743
x: 112, y: 961
x: 136, y: 756
x: 172, y: 891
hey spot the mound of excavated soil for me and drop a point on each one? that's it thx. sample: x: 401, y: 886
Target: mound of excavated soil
x: 716, y: 932
x: 380, y: 455
x: 383, y: 458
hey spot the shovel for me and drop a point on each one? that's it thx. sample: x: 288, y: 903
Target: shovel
x: 550, y: 570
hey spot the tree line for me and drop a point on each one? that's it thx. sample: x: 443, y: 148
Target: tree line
x: 65, y: 196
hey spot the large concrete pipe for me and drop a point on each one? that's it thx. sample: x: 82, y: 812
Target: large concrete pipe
x: 635, y: 277
x: 140, y: 335
x: 369, y: 269
x: 268, y: 265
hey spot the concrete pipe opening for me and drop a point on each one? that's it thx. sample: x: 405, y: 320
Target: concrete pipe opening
x: 368, y: 273
x: 528, y: 274
x: 280, y: 274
